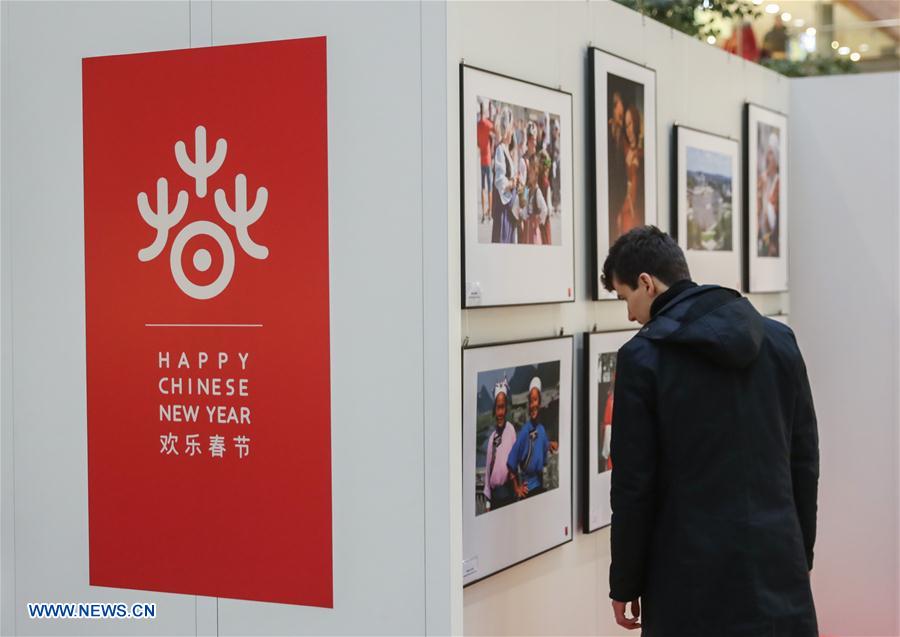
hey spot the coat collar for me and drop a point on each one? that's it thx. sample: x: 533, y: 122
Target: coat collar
x: 674, y: 290
x: 661, y: 326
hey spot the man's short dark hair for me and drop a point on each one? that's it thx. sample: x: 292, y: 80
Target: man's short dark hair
x: 645, y: 249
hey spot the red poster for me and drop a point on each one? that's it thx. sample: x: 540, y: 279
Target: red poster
x: 206, y: 268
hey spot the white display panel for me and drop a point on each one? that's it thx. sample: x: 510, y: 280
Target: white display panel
x: 707, y: 205
x: 375, y: 152
x: 500, y: 268
x: 497, y: 537
x: 45, y: 459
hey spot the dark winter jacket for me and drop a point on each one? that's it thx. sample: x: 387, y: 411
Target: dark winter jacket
x: 715, y: 472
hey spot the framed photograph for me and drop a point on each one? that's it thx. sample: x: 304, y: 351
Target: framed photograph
x: 706, y: 205
x: 517, y: 453
x: 623, y: 98
x: 765, y: 188
x: 516, y: 191
x: 600, y: 355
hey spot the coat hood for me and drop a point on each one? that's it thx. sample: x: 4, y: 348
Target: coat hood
x: 717, y: 322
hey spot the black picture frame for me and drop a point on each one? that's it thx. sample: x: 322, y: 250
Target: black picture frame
x: 466, y: 252
x: 749, y: 263
x: 589, y: 418
x: 699, y: 263
x: 651, y: 171
x: 570, y: 530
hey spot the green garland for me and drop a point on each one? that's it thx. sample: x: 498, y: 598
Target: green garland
x: 812, y: 65
x: 682, y: 15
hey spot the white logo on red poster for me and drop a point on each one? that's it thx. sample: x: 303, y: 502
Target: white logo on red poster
x: 240, y: 217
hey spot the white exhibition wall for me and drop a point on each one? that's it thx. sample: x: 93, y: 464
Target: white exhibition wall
x: 394, y: 204
x: 845, y: 309
x: 565, y: 591
x: 391, y: 434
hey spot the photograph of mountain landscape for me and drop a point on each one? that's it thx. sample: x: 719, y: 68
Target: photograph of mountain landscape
x: 709, y: 198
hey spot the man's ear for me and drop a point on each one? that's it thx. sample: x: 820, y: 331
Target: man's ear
x: 646, y: 281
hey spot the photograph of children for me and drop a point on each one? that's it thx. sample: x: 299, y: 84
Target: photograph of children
x: 519, y: 155
x: 709, y: 200
x: 767, y: 189
x: 606, y: 388
x: 625, y: 155
x: 517, y: 434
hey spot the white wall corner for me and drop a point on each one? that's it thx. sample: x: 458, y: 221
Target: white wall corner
x: 443, y: 521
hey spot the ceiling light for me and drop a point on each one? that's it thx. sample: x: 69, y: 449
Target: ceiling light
x: 773, y: 8
x: 757, y: 2
x: 786, y: 16
x: 835, y: 45
x: 844, y: 50
x: 811, y: 31
x: 711, y: 39
x: 808, y: 42
x: 855, y: 57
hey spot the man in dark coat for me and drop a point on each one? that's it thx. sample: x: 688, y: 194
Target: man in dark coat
x: 715, y: 457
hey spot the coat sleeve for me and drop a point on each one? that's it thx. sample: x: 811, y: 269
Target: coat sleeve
x: 805, y: 461
x: 633, y: 491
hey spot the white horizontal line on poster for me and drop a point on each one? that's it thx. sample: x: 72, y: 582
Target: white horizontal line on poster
x: 202, y: 324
